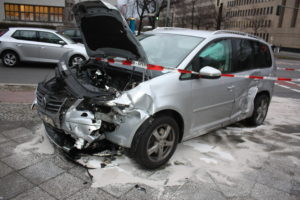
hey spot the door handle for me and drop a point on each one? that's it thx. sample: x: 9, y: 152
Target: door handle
x: 42, y: 47
x: 19, y: 45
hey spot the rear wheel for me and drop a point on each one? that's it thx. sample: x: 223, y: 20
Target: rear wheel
x: 10, y: 58
x: 261, y: 105
x: 155, y: 142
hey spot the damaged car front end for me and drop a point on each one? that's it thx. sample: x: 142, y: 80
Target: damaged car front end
x: 85, y: 105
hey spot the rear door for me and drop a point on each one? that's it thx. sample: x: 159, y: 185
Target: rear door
x: 251, y: 58
x: 212, y: 99
x: 51, y: 49
x: 27, y: 45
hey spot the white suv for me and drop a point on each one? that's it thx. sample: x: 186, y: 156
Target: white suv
x: 148, y: 112
x: 38, y: 45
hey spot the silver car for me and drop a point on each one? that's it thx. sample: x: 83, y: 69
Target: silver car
x: 38, y: 45
x: 148, y: 112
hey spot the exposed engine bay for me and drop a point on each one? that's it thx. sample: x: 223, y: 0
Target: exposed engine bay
x: 77, y: 102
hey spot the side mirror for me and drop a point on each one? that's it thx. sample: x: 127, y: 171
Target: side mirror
x: 61, y: 42
x: 210, y: 73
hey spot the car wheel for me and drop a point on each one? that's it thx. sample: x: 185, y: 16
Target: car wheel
x: 155, y: 142
x: 261, y: 105
x: 10, y: 58
x: 76, y: 60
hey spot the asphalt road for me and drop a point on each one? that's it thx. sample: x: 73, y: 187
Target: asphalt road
x: 32, y: 73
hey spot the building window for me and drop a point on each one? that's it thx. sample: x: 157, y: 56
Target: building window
x: 33, y: 13
x: 295, y: 13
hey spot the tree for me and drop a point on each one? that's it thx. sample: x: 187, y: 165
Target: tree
x: 205, y: 17
x: 144, y: 7
x: 257, y: 21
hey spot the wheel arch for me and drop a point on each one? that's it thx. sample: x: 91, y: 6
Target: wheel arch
x: 264, y: 92
x: 178, y: 118
x: 76, y: 54
x: 13, y: 50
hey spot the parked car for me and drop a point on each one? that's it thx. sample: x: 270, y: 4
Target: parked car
x: 74, y: 34
x: 149, y: 112
x: 2, y: 31
x: 38, y: 45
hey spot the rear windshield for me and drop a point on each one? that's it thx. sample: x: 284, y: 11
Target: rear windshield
x: 168, y: 49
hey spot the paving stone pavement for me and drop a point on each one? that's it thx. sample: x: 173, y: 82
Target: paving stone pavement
x: 49, y: 177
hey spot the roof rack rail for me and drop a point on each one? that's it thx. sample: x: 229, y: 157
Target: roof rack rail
x: 237, y: 33
x: 170, y: 28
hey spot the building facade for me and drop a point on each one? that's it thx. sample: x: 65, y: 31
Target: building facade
x: 278, y: 26
x: 38, y: 13
x: 258, y: 17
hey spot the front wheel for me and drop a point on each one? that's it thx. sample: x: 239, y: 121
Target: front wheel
x: 155, y: 142
x: 261, y: 105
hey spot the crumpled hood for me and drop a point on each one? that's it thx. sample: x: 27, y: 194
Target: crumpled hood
x: 105, y: 32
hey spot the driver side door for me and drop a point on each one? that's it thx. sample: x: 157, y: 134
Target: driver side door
x: 212, y: 99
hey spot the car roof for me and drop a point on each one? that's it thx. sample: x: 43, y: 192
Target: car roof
x: 204, y: 33
x: 32, y: 29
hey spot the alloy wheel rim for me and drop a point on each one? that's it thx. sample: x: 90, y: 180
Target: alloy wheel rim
x: 160, y: 143
x: 76, y: 61
x: 10, y: 59
x: 262, y: 110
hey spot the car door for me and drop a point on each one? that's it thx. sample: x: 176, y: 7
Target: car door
x: 251, y: 58
x: 27, y: 45
x: 51, y: 49
x: 212, y: 99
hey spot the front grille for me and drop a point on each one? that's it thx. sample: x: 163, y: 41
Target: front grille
x: 49, y: 102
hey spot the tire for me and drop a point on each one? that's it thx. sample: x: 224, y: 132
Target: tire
x: 10, y: 58
x: 76, y: 60
x: 261, y: 105
x: 155, y: 142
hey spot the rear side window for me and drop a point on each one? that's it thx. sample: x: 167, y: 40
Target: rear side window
x: 49, y: 38
x: 69, y: 33
x: 243, y: 55
x: 250, y: 54
x: 262, y: 55
x: 25, y: 35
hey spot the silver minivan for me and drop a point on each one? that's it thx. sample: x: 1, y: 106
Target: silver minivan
x: 148, y: 112
x: 38, y: 45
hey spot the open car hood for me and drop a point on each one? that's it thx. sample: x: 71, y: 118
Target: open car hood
x: 105, y: 32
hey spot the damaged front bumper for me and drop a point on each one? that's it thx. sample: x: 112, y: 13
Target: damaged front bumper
x: 83, y: 121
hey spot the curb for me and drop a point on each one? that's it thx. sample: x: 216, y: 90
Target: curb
x: 17, y: 87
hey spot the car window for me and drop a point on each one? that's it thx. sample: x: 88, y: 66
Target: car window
x: 244, y: 57
x: 66, y: 38
x: 262, y: 55
x: 49, y: 37
x: 69, y: 33
x: 168, y: 49
x: 217, y: 54
x: 25, y: 35
x: 78, y: 33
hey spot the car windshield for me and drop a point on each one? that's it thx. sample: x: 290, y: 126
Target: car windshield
x: 168, y: 49
x: 65, y: 37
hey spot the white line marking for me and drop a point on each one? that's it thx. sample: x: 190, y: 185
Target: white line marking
x: 286, y: 87
x: 293, y: 83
